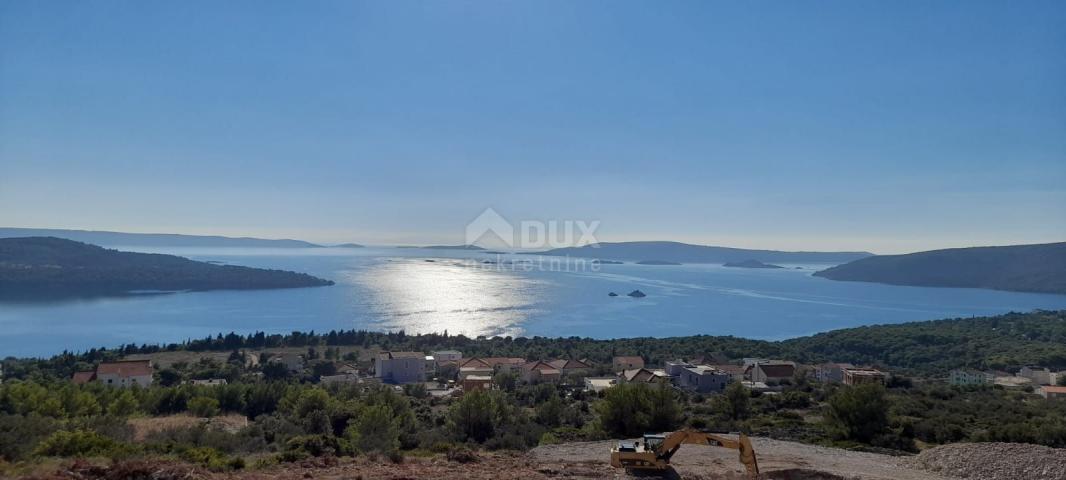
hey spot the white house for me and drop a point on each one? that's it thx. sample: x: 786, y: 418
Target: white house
x: 964, y: 377
x: 447, y: 356
x: 121, y: 374
x: 400, y: 367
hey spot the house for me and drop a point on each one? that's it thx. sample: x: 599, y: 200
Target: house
x: 1051, y: 392
x: 831, y: 372
x: 627, y: 363
x: 859, y: 376
x: 540, y: 372
x: 126, y: 373
x: 599, y: 384
x: 209, y: 382
x: 1039, y: 376
x: 294, y: 362
x: 81, y: 378
x: 447, y: 356
x: 768, y: 371
x: 736, y: 372
x: 703, y: 379
x: 966, y: 377
x: 571, y: 368
x: 476, y: 382
x: 489, y: 366
x: 400, y: 367
x: 644, y: 375
x: 674, y: 368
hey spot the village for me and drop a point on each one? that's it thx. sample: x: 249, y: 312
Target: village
x: 446, y: 373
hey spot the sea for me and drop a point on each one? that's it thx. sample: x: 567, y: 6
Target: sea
x: 490, y: 294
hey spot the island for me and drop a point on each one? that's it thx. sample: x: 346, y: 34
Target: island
x: 121, y: 239
x: 349, y: 245
x: 752, y: 263
x: 688, y: 253
x: 636, y: 294
x: 450, y: 247
x: 1037, y: 268
x: 49, y: 267
x: 607, y: 262
x: 657, y: 262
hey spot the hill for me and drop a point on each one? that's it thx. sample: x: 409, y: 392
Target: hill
x: 119, y: 239
x: 1021, y: 268
x: 687, y: 253
x: 54, y: 267
x: 750, y: 264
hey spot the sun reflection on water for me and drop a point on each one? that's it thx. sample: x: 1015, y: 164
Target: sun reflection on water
x: 423, y: 295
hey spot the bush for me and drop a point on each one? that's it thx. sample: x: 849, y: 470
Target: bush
x: 203, y: 407
x: 374, y: 431
x: 630, y: 410
x: 18, y: 434
x: 80, y: 443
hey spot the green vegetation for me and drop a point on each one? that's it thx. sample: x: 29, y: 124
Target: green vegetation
x: 1022, y: 268
x: 32, y: 267
x: 292, y: 417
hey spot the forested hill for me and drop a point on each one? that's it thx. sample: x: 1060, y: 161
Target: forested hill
x: 687, y: 253
x: 121, y: 239
x: 1022, y: 268
x: 927, y: 348
x: 55, y: 267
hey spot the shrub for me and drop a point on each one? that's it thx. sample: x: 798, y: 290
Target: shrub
x: 859, y: 413
x: 374, y: 431
x: 203, y: 406
x: 80, y: 443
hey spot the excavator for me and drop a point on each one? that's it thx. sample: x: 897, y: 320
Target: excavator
x: 656, y: 450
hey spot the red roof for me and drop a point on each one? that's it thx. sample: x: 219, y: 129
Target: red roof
x: 1053, y: 389
x: 83, y: 377
x: 568, y: 364
x: 125, y: 368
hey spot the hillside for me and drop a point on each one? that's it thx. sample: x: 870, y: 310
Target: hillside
x: 1020, y: 268
x: 686, y: 253
x: 119, y: 239
x: 55, y: 267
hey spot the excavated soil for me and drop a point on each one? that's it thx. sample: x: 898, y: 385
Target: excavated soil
x: 778, y: 460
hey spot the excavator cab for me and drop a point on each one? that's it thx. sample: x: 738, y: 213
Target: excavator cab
x: 653, y: 442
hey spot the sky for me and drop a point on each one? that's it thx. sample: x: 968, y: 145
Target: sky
x: 881, y: 126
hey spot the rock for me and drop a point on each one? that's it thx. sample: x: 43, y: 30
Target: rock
x: 612, y: 294
x: 636, y: 294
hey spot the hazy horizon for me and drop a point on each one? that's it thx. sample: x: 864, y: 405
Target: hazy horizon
x: 890, y: 128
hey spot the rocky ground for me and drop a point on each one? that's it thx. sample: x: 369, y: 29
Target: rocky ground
x: 589, y: 460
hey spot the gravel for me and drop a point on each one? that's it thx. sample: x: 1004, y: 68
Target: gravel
x: 994, y: 461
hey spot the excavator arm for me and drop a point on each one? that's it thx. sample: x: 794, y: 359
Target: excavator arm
x: 742, y: 444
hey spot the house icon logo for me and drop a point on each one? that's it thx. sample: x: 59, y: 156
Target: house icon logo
x: 490, y: 229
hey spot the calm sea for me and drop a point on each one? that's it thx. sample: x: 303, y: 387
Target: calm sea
x: 422, y: 290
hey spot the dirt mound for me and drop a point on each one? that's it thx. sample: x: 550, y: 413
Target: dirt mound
x: 994, y: 461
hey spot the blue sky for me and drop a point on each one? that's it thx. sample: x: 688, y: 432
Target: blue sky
x: 883, y: 126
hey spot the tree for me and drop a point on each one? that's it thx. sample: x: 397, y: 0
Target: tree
x: 625, y: 410
x: 859, y: 413
x: 550, y: 412
x: 738, y: 398
x: 374, y: 430
x: 665, y: 411
x: 474, y: 416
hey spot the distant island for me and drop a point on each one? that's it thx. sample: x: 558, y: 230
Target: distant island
x: 657, y: 262
x: 119, y: 239
x: 348, y: 245
x: 686, y: 253
x: 750, y: 263
x: 607, y: 262
x: 1021, y: 268
x: 453, y: 247
x: 49, y: 267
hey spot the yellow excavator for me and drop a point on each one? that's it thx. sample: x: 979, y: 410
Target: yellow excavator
x: 655, y: 452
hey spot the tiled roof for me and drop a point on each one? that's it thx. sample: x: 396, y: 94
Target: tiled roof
x: 83, y: 377
x: 778, y: 370
x: 568, y: 364
x: 628, y: 360
x: 1053, y: 389
x: 127, y: 368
